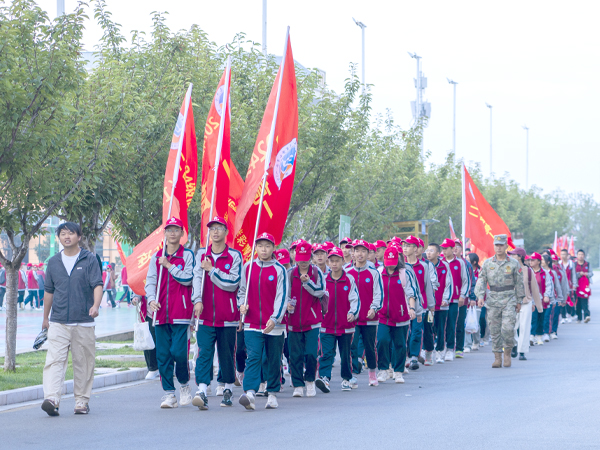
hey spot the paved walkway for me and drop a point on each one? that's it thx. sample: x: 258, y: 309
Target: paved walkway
x: 29, y: 324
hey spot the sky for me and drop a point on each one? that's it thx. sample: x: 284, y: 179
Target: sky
x: 536, y: 62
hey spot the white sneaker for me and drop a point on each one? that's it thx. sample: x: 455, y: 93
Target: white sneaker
x: 440, y: 357
x: 467, y: 349
x: 247, y: 401
x: 152, y: 375
x: 553, y: 336
x: 546, y: 337
x: 569, y: 320
x: 449, y: 355
x: 271, y: 402
x: 390, y: 373
x: 428, y: 359
x: 220, y: 390
x: 262, y: 390
x: 562, y: 321
x: 209, y: 390
x: 239, y: 378
x: 168, y: 401
x: 353, y: 383
x: 382, y: 376
x: 310, y: 389
x: 474, y: 347
x: 298, y: 392
x: 346, y: 385
x: 539, y: 340
x: 532, y: 340
x: 398, y: 377
x: 185, y: 395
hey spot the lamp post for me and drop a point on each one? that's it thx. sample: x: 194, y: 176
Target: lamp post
x: 453, y: 83
x: 264, y: 28
x: 362, y: 28
x: 60, y: 7
x: 526, y: 128
x: 490, y: 106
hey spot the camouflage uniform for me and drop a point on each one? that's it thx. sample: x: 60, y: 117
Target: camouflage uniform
x: 506, y: 291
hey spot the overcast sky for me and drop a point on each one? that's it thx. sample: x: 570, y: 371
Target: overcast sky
x: 536, y: 62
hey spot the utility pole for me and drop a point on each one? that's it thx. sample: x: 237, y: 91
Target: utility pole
x: 490, y: 106
x: 362, y: 29
x: 526, y: 128
x: 453, y: 83
x: 264, y: 28
x: 420, y: 109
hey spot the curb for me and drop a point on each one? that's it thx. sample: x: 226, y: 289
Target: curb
x: 32, y: 393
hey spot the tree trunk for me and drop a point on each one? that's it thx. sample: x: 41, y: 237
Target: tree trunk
x: 12, y: 286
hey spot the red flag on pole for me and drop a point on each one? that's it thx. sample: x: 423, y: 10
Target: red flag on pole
x: 451, y: 225
x: 572, y: 246
x: 182, y: 169
x: 482, y: 223
x: 274, y: 154
x: 216, y: 158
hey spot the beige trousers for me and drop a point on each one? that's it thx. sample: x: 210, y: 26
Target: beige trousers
x: 523, y: 324
x: 82, y: 341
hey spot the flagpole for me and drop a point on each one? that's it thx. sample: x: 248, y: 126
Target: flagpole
x: 216, y: 167
x: 464, y: 209
x: 188, y: 99
x: 267, y: 164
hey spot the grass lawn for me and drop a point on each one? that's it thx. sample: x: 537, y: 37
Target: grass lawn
x: 30, y: 367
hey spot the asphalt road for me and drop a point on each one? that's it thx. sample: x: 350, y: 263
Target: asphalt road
x: 550, y: 401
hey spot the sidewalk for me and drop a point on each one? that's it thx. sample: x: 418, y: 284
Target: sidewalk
x: 29, y: 324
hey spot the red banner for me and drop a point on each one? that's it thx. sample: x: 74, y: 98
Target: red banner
x: 218, y: 125
x: 281, y: 167
x: 482, y: 223
x: 184, y: 155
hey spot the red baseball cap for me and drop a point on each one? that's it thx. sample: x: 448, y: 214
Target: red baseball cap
x: 390, y: 257
x: 397, y: 246
x: 379, y: 244
x: 458, y: 242
x: 346, y: 239
x: 336, y: 251
x: 319, y: 248
x: 295, y: 244
x: 421, y: 242
x: 218, y: 220
x: 328, y: 245
x: 412, y: 240
x: 448, y: 243
x: 536, y: 255
x: 303, y: 252
x: 29, y: 265
x: 360, y: 243
x: 519, y: 252
x: 372, y: 247
x: 283, y: 256
x: 173, y: 222
x: 265, y: 237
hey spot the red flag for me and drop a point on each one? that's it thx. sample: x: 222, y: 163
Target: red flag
x: 451, y: 225
x: 217, y: 129
x: 279, y: 126
x: 121, y: 253
x: 183, y: 156
x: 482, y: 223
x: 572, y: 246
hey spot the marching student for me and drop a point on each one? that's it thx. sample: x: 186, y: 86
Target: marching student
x: 41, y: 281
x: 32, y: 286
x: 320, y: 256
x: 399, y: 308
x: 545, y: 287
x: 532, y: 292
x: 460, y: 289
x: 372, y: 258
x: 216, y: 280
x: 426, y: 297
x: 264, y: 311
x: 347, y: 248
x: 22, y: 286
x: 368, y: 283
x: 380, y: 247
x: 442, y: 299
x: 555, y: 295
x: 338, y: 323
x: 306, y: 287
x: 569, y: 267
x: 283, y: 256
x: 582, y: 287
x: 563, y: 283
x: 428, y: 322
x: 174, y: 310
x: 470, y: 300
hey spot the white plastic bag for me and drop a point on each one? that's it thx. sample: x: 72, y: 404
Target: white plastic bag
x: 472, y: 324
x: 142, y: 339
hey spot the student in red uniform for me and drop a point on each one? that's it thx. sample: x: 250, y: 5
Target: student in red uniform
x: 216, y: 281
x: 569, y: 268
x: 346, y: 246
x: 338, y: 323
x: 372, y: 258
x: 174, y: 309
x: 469, y: 301
x: 368, y: 283
x: 32, y: 286
x: 399, y: 308
x: 125, y: 285
x: 380, y: 247
x: 267, y: 294
x: 320, y: 256
x: 41, y: 280
x: 460, y: 287
x: 583, y: 290
x: 442, y: 298
x: 306, y: 287
x: 22, y: 286
x: 283, y: 256
x: 546, y: 289
x: 428, y: 322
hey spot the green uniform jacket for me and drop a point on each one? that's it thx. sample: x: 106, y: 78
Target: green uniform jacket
x: 504, y: 279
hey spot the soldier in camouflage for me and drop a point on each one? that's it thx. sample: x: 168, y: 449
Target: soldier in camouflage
x: 506, y: 292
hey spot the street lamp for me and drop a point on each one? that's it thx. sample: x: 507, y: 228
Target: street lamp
x: 526, y: 128
x: 490, y: 106
x: 362, y: 28
x: 420, y: 109
x: 453, y: 83
x: 264, y: 28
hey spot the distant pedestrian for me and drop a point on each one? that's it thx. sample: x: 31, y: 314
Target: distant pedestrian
x: 108, y: 280
x: 73, y: 295
x: 583, y: 289
x: 22, y: 286
x: 41, y: 281
x: 32, y: 287
x: 126, y: 292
